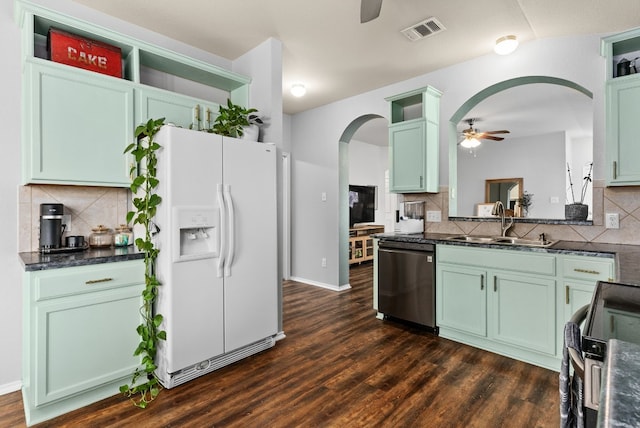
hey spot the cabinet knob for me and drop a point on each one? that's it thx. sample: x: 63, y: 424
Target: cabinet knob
x: 615, y: 170
x: 495, y: 283
x: 482, y: 282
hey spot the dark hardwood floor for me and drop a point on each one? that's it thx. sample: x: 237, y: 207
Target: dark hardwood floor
x: 339, y: 366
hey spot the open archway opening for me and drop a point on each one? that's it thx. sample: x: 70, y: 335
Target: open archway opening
x: 367, y: 135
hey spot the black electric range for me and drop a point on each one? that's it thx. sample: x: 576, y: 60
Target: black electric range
x: 614, y: 313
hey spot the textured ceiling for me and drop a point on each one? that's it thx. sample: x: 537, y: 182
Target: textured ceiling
x: 325, y: 46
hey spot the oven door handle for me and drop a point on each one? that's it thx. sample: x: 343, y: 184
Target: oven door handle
x: 577, y: 361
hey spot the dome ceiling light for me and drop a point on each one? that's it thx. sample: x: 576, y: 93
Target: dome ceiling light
x: 505, y: 45
x: 298, y: 90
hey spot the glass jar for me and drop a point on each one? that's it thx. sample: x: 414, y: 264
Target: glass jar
x: 123, y: 236
x: 101, y: 237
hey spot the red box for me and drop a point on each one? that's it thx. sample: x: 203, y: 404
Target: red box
x: 67, y: 48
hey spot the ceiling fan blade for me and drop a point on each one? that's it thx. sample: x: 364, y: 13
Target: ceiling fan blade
x: 490, y: 137
x: 369, y: 10
x: 504, y: 131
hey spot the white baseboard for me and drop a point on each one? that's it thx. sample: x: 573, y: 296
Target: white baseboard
x: 10, y: 387
x: 321, y: 284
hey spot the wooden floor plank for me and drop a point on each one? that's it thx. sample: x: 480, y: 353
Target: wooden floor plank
x: 339, y: 366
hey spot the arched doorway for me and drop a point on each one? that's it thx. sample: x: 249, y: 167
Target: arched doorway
x: 562, y: 85
x: 370, y: 127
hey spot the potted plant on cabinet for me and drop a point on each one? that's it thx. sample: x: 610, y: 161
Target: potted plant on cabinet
x: 235, y: 120
x: 145, y: 386
x: 578, y: 210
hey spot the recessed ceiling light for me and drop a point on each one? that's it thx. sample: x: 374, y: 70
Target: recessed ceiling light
x: 505, y: 45
x: 298, y: 90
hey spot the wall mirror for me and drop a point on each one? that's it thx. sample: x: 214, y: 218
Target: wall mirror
x: 506, y: 190
x: 550, y: 124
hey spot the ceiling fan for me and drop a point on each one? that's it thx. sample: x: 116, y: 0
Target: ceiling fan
x: 472, y: 137
x: 369, y: 10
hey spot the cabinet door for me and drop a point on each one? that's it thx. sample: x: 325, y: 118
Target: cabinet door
x: 461, y: 299
x: 77, y: 125
x: 576, y: 295
x: 523, y: 311
x: 407, y: 154
x: 623, y: 139
x: 181, y: 110
x: 84, y: 342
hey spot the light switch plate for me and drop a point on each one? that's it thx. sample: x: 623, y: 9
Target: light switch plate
x: 612, y: 221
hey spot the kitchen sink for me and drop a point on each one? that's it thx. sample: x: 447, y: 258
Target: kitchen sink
x: 469, y: 238
x: 504, y: 240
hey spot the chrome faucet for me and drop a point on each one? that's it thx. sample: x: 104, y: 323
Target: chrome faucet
x: 498, y: 209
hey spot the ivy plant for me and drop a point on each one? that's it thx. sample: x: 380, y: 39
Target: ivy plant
x: 145, y: 386
x: 231, y: 119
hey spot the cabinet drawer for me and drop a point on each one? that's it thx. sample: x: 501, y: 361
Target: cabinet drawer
x: 588, y: 268
x: 86, y: 279
x: 518, y: 261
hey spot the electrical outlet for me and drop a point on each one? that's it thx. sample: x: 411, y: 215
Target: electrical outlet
x: 434, y: 216
x: 324, y: 262
x: 612, y: 221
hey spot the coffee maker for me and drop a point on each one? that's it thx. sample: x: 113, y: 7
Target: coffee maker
x: 51, y: 227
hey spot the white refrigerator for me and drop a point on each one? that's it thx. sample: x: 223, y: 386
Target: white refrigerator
x: 218, y: 251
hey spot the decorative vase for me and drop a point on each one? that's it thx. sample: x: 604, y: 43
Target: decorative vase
x: 576, y: 212
x: 250, y: 133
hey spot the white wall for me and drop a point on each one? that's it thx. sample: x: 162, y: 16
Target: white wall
x: 315, y: 134
x: 367, y: 163
x: 542, y: 170
x: 264, y: 61
x: 11, y: 301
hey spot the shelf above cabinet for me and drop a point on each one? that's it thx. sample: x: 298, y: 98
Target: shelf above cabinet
x: 36, y: 21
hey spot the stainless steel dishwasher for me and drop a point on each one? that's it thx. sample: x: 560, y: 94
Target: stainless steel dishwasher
x: 406, y: 282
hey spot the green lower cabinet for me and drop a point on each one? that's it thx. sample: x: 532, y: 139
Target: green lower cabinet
x: 76, y: 125
x: 461, y: 300
x: 502, y: 301
x: 523, y: 311
x: 79, y: 335
x: 514, y: 303
x: 180, y: 110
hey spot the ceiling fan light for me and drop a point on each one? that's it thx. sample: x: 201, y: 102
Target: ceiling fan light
x: 298, y: 90
x: 505, y: 45
x: 470, y: 143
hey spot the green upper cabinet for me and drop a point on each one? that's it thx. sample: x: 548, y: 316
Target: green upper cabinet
x: 178, y: 109
x: 623, y: 140
x: 77, y: 125
x: 413, y: 141
x: 623, y: 108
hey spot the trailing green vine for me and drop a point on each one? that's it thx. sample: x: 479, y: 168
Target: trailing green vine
x: 145, y: 203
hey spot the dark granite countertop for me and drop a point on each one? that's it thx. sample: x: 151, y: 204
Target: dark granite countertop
x: 34, y: 261
x: 620, y: 393
x: 627, y: 256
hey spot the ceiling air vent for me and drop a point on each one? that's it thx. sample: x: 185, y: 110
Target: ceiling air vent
x: 426, y: 28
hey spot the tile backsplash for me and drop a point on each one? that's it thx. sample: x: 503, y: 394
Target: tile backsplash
x: 622, y: 200
x: 88, y: 207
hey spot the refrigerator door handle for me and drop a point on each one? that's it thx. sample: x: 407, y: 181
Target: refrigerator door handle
x: 231, y: 229
x: 222, y: 234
